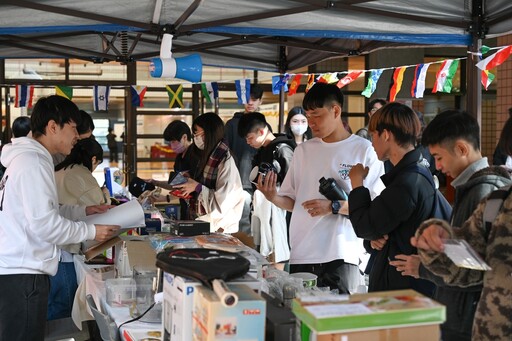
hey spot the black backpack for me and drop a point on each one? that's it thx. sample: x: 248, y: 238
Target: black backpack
x: 442, y: 208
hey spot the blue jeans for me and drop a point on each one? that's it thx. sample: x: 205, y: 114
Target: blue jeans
x: 23, y: 307
x: 62, y: 291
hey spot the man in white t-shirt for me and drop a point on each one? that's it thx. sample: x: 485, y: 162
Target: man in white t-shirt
x: 321, y: 237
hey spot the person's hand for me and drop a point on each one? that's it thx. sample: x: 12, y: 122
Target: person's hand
x: 317, y: 207
x: 408, y: 265
x: 357, y: 174
x: 378, y: 244
x: 268, y: 186
x: 94, y: 209
x: 105, y: 232
x: 431, y: 239
x: 188, y: 187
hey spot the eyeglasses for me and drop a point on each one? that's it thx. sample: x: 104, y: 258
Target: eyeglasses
x: 374, y: 109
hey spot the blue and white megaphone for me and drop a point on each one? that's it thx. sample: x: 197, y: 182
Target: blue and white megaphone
x: 189, y: 68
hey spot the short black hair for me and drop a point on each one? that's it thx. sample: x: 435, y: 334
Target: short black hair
x: 381, y: 101
x: 21, y: 126
x: 321, y: 94
x: 250, y: 122
x: 256, y: 91
x: 87, y: 124
x: 56, y: 108
x: 176, y: 129
x: 400, y: 120
x: 82, y: 154
x: 449, y: 126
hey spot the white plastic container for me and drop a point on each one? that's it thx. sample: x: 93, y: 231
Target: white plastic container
x: 120, y: 291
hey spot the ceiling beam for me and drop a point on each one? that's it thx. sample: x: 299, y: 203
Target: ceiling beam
x: 290, y: 42
x: 51, y: 53
x: 77, y: 13
x: 340, y: 6
x: 250, y: 17
x: 58, y: 46
x: 499, y: 18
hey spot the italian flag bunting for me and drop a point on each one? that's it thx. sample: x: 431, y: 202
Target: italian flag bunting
x: 444, y: 76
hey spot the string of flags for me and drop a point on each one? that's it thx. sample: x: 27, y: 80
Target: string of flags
x: 290, y: 82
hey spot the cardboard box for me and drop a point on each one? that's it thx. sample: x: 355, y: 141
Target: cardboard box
x: 213, y: 321
x: 416, y: 333
x: 372, y: 311
x: 179, y: 301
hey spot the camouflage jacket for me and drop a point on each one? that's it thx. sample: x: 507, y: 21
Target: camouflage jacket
x: 494, y: 311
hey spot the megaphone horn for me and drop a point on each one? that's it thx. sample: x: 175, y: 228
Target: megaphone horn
x: 189, y: 67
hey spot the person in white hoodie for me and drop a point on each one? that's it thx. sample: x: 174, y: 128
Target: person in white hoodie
x: 32, y: 223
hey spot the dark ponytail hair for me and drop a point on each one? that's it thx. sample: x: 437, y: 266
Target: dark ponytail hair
x: 82, y: 154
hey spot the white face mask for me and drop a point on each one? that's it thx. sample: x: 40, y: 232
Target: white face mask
x: 199, y: 142
x: 299, y: 129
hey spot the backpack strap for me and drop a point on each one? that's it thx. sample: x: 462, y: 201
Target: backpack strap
x: 493, y: 207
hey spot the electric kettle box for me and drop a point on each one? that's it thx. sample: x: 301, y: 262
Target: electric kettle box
x: 178, y: 303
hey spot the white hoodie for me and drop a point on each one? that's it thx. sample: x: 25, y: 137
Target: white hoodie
x: 32, y: 224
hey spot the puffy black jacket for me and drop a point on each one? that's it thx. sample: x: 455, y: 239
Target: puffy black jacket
x: 401, y: 207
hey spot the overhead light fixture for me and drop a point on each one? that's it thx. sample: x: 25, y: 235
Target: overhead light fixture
x: 188, y: 68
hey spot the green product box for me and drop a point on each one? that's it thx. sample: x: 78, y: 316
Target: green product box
x: 378, y: 310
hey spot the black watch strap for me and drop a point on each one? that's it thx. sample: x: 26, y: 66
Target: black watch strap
x: 335, y: 206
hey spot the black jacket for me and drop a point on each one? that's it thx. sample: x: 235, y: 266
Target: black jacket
x: 401, y: 207
x: 241, y: 151
x: 279, y: 153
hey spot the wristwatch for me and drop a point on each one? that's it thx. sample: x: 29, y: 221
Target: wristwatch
x: 335, y: 206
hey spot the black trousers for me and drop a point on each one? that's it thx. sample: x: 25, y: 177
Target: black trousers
x: 23, y: 306
x: 336, y: 274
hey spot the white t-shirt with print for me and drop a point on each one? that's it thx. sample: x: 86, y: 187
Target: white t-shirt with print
x: 330, y: 237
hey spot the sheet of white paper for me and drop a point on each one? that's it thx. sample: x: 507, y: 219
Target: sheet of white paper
x: 332, y: 310
x: 126, y: 215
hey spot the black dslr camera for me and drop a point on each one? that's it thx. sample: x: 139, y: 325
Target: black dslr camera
x: 264, y: 168
x: 330, y: 189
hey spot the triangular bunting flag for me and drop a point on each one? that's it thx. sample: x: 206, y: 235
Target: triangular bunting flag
x: 210, y: 91
x: 175, y: 93
x: 64, y: 91
x: 418, y: 83
x: 138, y: 93
x: 372, y: 83
x: 243, y: 90
x: 352, y: 76
x: 445, y: 76
x: 487, y: 78
x: 294, y: 85
x: 279, y: 82
x: 24, y: 95
x: 496, y: 59
x: 101, y: 94
x: 398, y: 78
x: 331, y: 77
x: 311, y: 82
